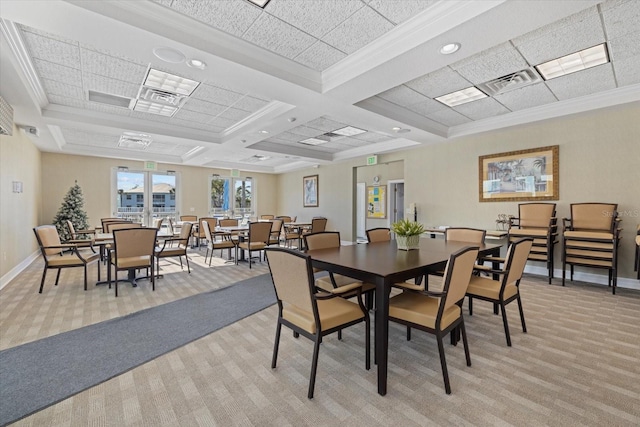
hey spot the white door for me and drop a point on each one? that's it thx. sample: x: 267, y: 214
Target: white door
x: 361, y: 211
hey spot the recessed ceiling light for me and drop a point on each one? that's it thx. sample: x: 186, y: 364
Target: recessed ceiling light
x: 264, y: 131
x: 196, y: 63
x: 395, y: 128
x: 170, y: 82
x: 449, y: 48
x: 587, y: 58
x: 461, y: 97
x: 168, y: 54
x: 348, y: 131
x: 154, y: 108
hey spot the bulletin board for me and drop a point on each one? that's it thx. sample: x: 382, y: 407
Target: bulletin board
x: 376, y: 202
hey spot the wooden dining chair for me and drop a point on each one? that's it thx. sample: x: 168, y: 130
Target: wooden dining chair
x: 439, y: 313
x: 133, y: 248
x: 380, y: 234
x: 256, y: 240
x: 308, y: 311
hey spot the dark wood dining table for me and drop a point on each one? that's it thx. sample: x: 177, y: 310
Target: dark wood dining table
x: 383, y: 264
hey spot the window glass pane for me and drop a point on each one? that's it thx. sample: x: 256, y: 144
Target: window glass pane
x: 130, y: 198
x: 242, y: 196
x: 164, y: 200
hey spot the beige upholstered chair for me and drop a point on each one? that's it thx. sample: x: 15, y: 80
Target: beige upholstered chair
x: 267, y: 216
x: 157, y: 223
x: 507, y: 288
x: 190, y: 218
x: 133, y: 248
x: 285, y: 219
x: 591, y: 238
x: 439, y: 313
x: 378, y: 235
x: 175, y: 247
x: 119, y: 225
x: 276, y: 229
x: 228, y: 222
x: 76, y: 237
x: 108, y: 221
x: 257, y: 239
x: 217, y: 241
x: 105, y: 220
x: 309, y: 312
x: 199, y: 234
x: 318, y: 225
x: 538, y: 221
x: 59, y: 256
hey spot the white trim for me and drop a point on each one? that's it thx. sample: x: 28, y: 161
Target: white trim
x: 599, y: 279
x: 13, y: 273
x: 273, y: 109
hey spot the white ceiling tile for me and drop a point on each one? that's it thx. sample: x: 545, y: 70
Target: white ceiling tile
x: 278, y: 36
x: 526, y: 97
x: 222, y: 122
x: 440, y: 82
x: 191, y: 124
x: 110, y: 66
x: 492, y: 63
x: 205, y: 107
x: 166, y: 3
x: 110, y: 109
x: 372, y: 137
x: 569, y: 35
x: 320, y: 56
x: 583, y: 82
x: 192, y: 116
x: 305, y: 131
x: 402, y: 95
x: 627, y: 47
x: 234, y: 114
x: 52, y: 50
x: 38, y: 32
x: 84, y: 138
x: 231, y: 16
x: 358, y: 30
x: 69, y: 102
x: 112, y: 86
x: 627, y: 71
x: 57, y: 72
x: 62, y: 89
x: 426, y: 107
x: 287, y: 136
x: 216, y: 95
x: 481, y: 109
x: 315, y: 17
x: 250, y: 103
x: 398, y: 11
x: 448, y: 117
x: 148, y: 116
x: 325, y: 124
x: 621, y: 17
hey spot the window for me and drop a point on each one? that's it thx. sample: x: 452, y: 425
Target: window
x: 231, y: 196
x: 142, y: 196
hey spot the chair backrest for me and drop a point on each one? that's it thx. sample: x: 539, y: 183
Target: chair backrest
x: 593, y: 216
x: 185, y: 233
x: 193, y: 218
x: 111, y: 227
x: 266, y: 217
x: 72, y: 230
x: 259, y: 232
x: 516, y: 259
x: 204, y: 228
x: 457, y: 276
x: 47, y: 235
x: 157, y: 223
x: 290, y: 271
x: 134, y: 242
x: 536, y: 215
x: 105, y: 221
x: 318, y: 225
x: 378, y: 235
x: 276, y: 226
x: 285, y: 219
x: 464, y: 234
x: 322, y: 240
x: 228, y: 222
x: 213, y: 222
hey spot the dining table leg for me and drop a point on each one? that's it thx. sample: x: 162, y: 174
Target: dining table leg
x: 382, y: 332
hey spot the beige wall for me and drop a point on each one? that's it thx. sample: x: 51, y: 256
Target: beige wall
x: 93, y: 174
x: 19, y: 212
x: 599, y: 161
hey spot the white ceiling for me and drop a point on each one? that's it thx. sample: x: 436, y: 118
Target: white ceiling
x: 302, y: 68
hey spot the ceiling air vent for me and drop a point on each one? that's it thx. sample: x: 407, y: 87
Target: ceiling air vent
x: 6, y: 118
x: 105, y: 98
x: 510, y: 82
x: 134, y: 141
x: 161, y: 97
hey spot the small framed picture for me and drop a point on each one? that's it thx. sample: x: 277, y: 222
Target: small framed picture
x: 310, y: 191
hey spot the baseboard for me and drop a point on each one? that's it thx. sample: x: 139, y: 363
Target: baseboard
x: 600, y: 279
x: 11, y: 274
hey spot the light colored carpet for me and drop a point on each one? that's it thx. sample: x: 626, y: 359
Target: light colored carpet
x: 578, y: 365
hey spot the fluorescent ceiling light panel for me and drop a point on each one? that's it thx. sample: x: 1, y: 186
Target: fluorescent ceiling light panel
x: 349, y: 131
x: 312, y: 141
x: 170, y: 82
x: 461, y: 97
x: 261, y: 157
x: 587, y: 58
x: 155, y: 108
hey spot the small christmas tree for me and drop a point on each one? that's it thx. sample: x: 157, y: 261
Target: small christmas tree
x: 71, y: 210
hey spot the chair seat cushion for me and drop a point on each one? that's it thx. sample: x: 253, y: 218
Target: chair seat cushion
x: 421, y: 309
x: 132, y: 262
x: 167, y: 252
x: 223, y: 244
x: 524, y: 232
x: 588, y: 235
x: 254, y: 246
x: 488, y: 288
x: 71, y: 259
x: 332, y: 312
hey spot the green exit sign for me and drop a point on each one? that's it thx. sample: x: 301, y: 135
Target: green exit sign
x: 150, y: 166
x: 372, y: 160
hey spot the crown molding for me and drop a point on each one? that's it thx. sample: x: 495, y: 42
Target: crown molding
x: 28, y: 72
x: 582, y: 104
x: 56, y: 134
x: 273, y: 109
x: 380, y: 147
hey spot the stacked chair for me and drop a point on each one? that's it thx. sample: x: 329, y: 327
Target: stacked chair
x: 537, y: 221
x: 591, y: 238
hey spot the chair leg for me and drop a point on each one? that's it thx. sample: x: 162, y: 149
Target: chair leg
x: 524, y: 326
x: 408, y: 333
x: 249, y: 259
x: 186, y: 258
x: 153, y: 277
x: 463, y: 332
x: 367, y: 342
x: 276, y: 345
x: 58, y: 276
x: 506, y: 324
x: 470, y: 306
x: 443, y: 363
x: 44, y: 274
x: 314, y: 367
x: 295, y: 334
x: 340, y: 335
x: 85, y: 277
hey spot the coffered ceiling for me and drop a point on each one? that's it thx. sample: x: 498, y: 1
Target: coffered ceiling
x: 285, y: 86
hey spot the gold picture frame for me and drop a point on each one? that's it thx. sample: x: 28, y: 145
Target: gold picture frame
x: 310, y: 191
x: 524, y: 175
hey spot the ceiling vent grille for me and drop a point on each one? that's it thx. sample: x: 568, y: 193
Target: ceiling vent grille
x: 6, y: 118
x: 162, y: 97
x: 510, y: 82
x: 134, y: 141
x: 105, y: 98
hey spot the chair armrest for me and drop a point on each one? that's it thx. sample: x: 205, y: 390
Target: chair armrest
x: 434, y: 294
x: 63, y: 246
x: 566, y: 221
x: 484, y: 269
x: 346, y: 288
x: 493, y: 259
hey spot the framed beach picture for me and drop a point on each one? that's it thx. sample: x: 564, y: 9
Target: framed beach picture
x: 310, y: 191
x: 524, y: 175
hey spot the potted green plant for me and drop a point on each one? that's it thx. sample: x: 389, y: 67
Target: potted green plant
x: 407, y: 234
